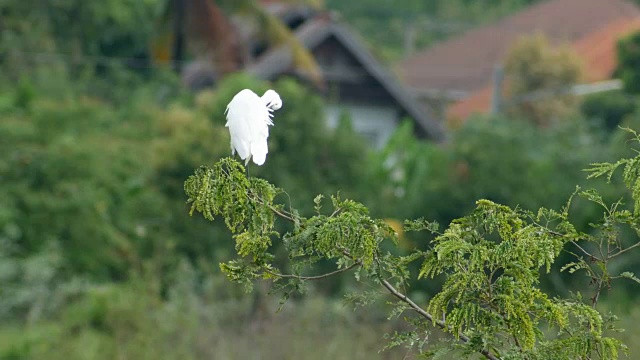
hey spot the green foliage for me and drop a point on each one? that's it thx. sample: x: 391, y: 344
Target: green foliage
x: 33, y: 287
x: 608, y: 110
x: 534, y: 65
x: 348, y: 235
x: 628, y: 62
x: 493, y: 259
x: 98, y: 180
x: 492, y: 262
x: 75, y: 35
x: 104, y: 180
x: 194, y: 315
x: 505, y: 160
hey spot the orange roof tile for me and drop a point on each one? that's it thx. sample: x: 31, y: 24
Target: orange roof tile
x: 466, y: 62
x: 597, y: 50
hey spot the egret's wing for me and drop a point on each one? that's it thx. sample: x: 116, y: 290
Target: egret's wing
x: 239, y: 139
x: 259, y: 150
x: 259, y: 128
x: 239, y: 122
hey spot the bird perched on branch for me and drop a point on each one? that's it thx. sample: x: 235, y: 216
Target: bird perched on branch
x: 248, y: 120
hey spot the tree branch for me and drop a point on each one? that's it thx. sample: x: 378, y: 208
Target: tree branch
x: 441, y: 324
x: 596, y: 295
x: 273, y: 208
x: 316, y: 277
x: 583, y: 250
x: 623, y: 250
x: 287, y: 216
x: 555, y: 233
x: 279, y: 213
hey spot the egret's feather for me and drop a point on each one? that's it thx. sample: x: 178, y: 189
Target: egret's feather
x: 259, y: 150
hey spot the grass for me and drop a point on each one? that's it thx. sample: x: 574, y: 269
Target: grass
x: 129, y: 322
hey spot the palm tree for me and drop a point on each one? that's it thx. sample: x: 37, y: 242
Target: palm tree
x: 205, y: 28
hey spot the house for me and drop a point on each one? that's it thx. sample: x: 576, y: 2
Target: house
x: 355, y: 82
x: 456, y: 76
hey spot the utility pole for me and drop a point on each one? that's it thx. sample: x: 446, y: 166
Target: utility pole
x: 410, y: 32
x: 498, y: 80
x: 179, y: 33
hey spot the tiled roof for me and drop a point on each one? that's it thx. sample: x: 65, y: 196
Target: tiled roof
x: 466, y: 63
x: 596, y: 49
x: 278, y: 61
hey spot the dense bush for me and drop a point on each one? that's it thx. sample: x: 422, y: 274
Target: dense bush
x: 104, y: 180
x: 608, y: 110
x: 628, y: 61
x: 102, y: 183
x: 505, y: 160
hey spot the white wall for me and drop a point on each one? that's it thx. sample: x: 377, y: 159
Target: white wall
x: 375, y: 123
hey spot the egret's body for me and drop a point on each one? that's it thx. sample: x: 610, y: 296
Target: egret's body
x: 248, y: 120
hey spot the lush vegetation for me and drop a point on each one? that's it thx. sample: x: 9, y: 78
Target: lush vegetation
x: 94, y: 216
x: 492, y: 261
x: 99, y: 257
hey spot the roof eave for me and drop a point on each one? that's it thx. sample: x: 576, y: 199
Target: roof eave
x: 278, y: 61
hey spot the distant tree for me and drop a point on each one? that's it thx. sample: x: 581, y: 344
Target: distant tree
x: 608, y: 110
x: 75, y: 34
x: 105, y: 181
x: 532, y: 66
x: 628, y: 69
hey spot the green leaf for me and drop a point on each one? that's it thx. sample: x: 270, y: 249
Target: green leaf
x: 318, y: 203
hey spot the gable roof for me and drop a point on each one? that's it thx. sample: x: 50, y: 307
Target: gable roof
x: 597, y: 51
x: 465, y: 63
x: 317, y: 30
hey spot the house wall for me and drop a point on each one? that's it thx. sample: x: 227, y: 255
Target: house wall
x: 375, y: 123
x: 353, y: 90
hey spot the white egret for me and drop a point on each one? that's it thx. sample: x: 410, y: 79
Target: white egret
x: 248, y: 120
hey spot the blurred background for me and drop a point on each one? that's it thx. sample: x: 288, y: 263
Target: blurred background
x: 415, y: 108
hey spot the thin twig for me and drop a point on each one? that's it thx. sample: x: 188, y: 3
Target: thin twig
x: 555, y: 233
x: 441, y: 324
x: 273, y: 208
x: 288, y: 216
x: 596, y: 296
x: 279, y: 213
x: 583, y: 250
x: 624, y: 250
x: 316, y: 277
x: 602, y: 257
